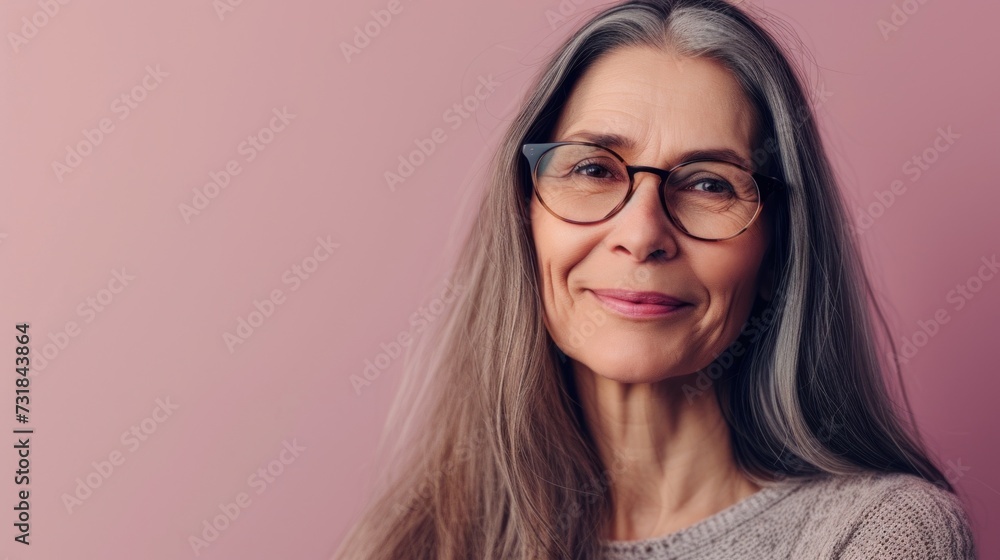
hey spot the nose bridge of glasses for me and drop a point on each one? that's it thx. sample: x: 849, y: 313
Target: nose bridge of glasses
x: 660, y: 180
x: 661, y: 174
x: 659, y: 177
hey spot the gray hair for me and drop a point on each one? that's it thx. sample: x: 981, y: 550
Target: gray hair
x: 810, y: 395
x: 503, y: 438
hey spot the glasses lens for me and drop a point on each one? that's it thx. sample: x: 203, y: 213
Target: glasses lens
x: 581, y: 183
x: 712, y: 199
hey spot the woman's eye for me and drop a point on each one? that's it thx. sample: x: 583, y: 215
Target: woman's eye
x: 712, y: 186
x: 594, y: 170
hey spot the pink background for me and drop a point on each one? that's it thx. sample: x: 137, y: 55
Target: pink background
x: 321, y: 175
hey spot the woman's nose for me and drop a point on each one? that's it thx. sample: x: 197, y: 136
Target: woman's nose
x: 642, y: 227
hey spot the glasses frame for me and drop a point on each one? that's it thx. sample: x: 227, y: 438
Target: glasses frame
x: 765, y: 185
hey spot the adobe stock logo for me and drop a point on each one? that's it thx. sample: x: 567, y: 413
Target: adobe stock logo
x: 901, y: 14
x: 225, y: 7
x: 419, y: 321
x: 132, y: 439
x: 753, y: 329
x: 31, y: 26
x: 260, y: 480
x: 293, y: 276
x: 250, y: 148
x: 562, y: 12
x: 914, y: 168
x: 363, y: 35
x: 455, y: 116
x: 122, y: 106
x: 88, y: 309
x: 959, y: 297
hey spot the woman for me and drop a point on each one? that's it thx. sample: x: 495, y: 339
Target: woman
x: 663, y: 347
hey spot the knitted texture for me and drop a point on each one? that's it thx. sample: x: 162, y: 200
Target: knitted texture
x: 870, y: 516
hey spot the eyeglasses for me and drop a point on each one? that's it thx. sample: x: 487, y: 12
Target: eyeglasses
x: 585, y: 183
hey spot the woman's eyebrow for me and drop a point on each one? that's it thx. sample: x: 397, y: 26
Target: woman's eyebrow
x: 618, y: 142
x: 608, y: 140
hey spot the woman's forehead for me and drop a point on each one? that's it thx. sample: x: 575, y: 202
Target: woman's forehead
x: 659, y: 100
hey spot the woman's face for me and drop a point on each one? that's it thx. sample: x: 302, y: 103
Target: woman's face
x: 666, y: 106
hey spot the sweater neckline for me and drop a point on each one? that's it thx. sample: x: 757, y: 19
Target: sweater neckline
x: 716, y: 525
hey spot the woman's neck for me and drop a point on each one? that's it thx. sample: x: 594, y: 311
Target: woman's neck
x: 668, y: 454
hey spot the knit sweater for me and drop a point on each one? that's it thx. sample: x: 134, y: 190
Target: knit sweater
x: 871, y: 516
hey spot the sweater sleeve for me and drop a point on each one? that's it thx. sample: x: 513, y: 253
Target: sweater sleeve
x: 912, y: 520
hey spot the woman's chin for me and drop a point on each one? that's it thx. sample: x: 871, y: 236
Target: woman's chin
x: 632, y: 370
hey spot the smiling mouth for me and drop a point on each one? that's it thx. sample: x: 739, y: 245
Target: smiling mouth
x: 640, y: 305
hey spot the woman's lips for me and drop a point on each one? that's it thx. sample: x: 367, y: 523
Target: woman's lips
x: 640, y: 304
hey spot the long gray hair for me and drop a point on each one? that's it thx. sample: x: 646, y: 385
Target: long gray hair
x: 493, y: 458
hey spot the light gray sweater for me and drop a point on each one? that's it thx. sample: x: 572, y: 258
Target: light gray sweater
x: 873, y: 516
